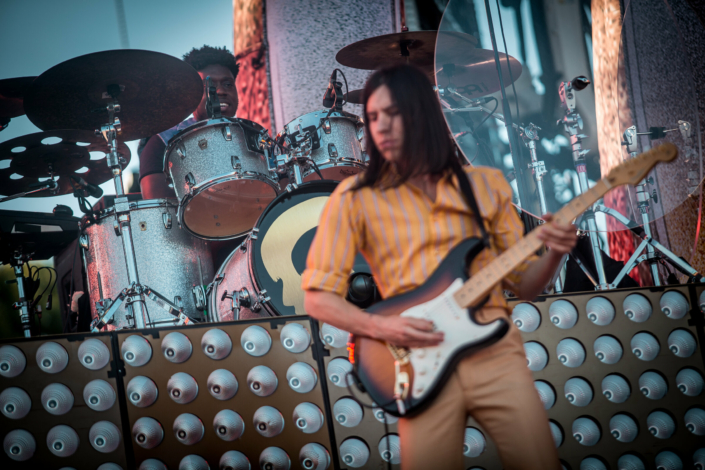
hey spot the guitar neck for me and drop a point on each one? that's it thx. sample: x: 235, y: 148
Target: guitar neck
x: 483, y: 281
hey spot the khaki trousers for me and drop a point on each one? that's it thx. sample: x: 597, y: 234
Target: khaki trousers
x: 497, y: 389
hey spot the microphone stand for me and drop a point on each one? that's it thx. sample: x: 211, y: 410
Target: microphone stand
x: 508, y: 121
x: 572, y: 123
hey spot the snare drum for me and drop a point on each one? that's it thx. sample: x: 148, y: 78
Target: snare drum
x: 221, y: 176
x: 337, y: 144
x: 169, y: 260
x: 263, y: 275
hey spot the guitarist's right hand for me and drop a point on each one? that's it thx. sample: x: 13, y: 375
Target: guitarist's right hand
x: 406, y: 332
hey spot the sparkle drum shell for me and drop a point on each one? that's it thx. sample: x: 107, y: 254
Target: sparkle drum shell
x: 273, y: 257
x: 167, y: 260
x: 221, y: 176
x: 337, y: 148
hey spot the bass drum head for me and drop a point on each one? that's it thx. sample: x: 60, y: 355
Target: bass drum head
x: 286, y: 230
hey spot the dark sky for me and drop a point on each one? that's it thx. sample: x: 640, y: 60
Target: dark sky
x: 38, y: 34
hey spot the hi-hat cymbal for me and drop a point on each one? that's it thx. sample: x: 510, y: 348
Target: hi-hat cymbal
x: 470, y: 70
x: 410, y: 47
x: 12, y: 91
x: 157, y: 91
x: 32, y: 161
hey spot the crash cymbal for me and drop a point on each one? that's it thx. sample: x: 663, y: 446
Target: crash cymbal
x: 26, y: 160
x: 410, y: 47
x: 157, y: 91
x: 354, y: 97
x: 470, y: 70
x: 12, y: 91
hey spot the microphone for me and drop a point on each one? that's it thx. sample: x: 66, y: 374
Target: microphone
x: 212, y: 100
x: 328, y: 98
x: 580, y: 82
x: 92, y: 189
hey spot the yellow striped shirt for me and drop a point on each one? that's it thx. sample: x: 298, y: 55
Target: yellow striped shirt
x: 404, y: 235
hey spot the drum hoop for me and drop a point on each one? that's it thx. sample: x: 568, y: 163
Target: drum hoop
x: 253, y: 245
x: 169, y: 203
x: 335, y: 115
x: 178, y: 137
x: 198, y: 189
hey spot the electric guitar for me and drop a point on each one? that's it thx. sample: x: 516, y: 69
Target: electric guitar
x: 402, y: 381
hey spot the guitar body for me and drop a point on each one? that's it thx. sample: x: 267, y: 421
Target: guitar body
x: 428, y: 369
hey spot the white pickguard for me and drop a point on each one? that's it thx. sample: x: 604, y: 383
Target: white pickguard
x: 459, y: 331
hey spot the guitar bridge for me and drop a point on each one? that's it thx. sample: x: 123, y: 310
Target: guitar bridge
x: 400, y: 354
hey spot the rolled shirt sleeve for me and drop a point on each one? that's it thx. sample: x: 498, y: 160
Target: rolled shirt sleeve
x: 338, y: 239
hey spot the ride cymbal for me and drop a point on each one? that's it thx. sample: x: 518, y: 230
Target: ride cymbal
x: 156, y: 92
x: 12, y: 92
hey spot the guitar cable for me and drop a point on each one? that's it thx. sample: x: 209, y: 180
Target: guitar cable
x: 384, y: 413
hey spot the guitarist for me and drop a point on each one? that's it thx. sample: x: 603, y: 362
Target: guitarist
x: 404, y: 214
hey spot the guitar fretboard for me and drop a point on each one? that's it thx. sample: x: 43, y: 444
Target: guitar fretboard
x: 483, y: 281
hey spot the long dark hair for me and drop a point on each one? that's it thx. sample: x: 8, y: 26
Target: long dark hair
x: 427, y: 146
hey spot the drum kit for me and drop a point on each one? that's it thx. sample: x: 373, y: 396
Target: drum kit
x: 148, y: 262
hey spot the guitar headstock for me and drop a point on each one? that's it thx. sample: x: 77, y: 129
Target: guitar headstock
x: 635, y: 169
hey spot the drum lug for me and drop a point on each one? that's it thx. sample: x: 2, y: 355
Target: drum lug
x: 199, y: 297
x: 235, y: 302
x: 116, y: 227
x: 360, y: 133
x: 326, y: 126
x: 253, y: 233
x: 237, y: 165
x: 83, y: 241
x: 178, y: 301
x: 227, y: 133
x: 332, y: 151
x: 290, y: 187
x: 190, y: 181
x: 166, y: 218
x: 181, y: 150
x: 203, y: 144
x: 262, y: 298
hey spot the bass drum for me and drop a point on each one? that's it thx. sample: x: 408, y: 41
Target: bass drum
x: 263, y: 275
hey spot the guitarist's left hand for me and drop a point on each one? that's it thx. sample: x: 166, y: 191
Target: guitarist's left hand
x: 560, y: 238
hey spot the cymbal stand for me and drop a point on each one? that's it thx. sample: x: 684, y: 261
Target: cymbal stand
x: 23, y: 304
x: 654, y: 251
x: 50, y: 185
x: 530, y: 136
x: 573, y: 123
x: 137, y: 308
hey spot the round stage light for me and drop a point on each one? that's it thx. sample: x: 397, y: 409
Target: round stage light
x: 52, y: 358
x: 262, y: 381
x: 216, y: 344
x: 222, y: 384
x: 228, y: 425
x: 295, y: 338
x: 176, y: 347
x: 99, y: 395
x: 147, y: 432
x: 136, y: 351
x: 93, y: 354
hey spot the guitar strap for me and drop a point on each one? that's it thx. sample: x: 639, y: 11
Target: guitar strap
x: 467, y: 191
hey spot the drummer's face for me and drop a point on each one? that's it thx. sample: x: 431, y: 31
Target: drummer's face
x: 222, y: 79
x: 386, y: 124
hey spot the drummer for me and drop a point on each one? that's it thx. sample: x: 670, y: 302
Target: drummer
x: 220, y: 66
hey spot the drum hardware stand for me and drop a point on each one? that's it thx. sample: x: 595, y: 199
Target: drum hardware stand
x: 134, y: 295
x: 23, y: 304
x: 50, y: 185
x: 129, y: 293
x: 530, y: 136
x: 572, y: 123
x: 654, y: 251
